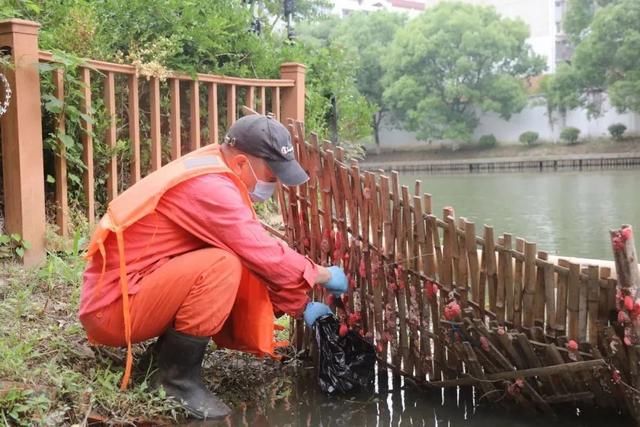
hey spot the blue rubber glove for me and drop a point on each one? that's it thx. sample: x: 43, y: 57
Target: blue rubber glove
x: 338, y: 283
x: 314, y: 311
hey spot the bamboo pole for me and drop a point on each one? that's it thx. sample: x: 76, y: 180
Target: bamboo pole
x: 423, y: 304
x: 549, y: 281
x: 462, y: 281
x: 539, y: 298
x: 628, y: 274
x: 507, y: 272
x: 518, y: 284
x: 489, y: 255
x: 448, y: 237
x: 593, y: 301
x: 573, y: 301
x: 529, y: 284
x: 472, y: 256
x: 562, y: 295
x: 404, y: 301
x: 430, y: 265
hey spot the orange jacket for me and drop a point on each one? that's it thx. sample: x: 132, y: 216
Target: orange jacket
x: 251, y: 330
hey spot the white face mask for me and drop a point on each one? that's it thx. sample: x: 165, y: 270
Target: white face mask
x: 262, y: 190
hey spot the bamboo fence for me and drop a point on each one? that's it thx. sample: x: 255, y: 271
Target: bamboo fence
x: 448, y: 303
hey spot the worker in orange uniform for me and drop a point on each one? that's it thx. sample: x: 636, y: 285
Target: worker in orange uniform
x: 182, y: 256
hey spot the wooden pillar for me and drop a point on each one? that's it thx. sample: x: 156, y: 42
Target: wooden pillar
x: 292, y: 98
x: 23, y: 170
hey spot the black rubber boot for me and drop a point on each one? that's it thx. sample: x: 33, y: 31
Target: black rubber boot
x: 148, y: 362
x: 180, y: 374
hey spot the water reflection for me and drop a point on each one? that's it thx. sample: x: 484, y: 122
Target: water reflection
x: 568, y: 213
x: 397, y: 404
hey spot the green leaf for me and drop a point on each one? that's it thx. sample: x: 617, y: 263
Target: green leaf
x: 52, y: 104
x: 33, y: 7
x: 87, y: 118
x: 16, y: 237
x: 4, y: 239
x: 50, y: 179
x: 26, y: 244
x: 75, y: 179
x: 66, y: 140
x: 20, y: 252
x: 46, y: 67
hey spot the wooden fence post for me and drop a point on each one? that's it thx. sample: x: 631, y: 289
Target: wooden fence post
x: 23, y: 169
x: 292, y: 98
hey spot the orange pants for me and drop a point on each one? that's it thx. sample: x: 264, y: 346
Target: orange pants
x: 194, y: 293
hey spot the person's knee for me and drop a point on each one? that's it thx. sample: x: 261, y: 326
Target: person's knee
x: 222, y: 266
x: 210, y: 301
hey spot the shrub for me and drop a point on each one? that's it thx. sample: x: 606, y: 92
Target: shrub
x: 570, y: 135
x: 488, y: 141
x: 617, y: 130
x: 529, y: 137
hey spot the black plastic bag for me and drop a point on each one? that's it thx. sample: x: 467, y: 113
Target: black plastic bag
x: 347, y: 362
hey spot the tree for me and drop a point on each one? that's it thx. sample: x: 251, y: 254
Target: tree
x: 579, y: 16
x: 605, y: 60
x: 562, y: 91
x: 334, y: 107
x: 367, y: 37
x: 274, y: 11
x: 454, y: 60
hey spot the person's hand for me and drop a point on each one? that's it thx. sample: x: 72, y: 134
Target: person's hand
x: 314, y: 311
x: 337, y: 283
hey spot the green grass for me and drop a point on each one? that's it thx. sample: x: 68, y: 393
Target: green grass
x: 50, y: 375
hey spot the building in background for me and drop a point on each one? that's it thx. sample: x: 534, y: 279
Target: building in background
x: 410, y: 7
x: 543, y: 17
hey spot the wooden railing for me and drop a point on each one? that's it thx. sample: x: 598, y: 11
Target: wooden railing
x: 22, y: 129
x: 446, y: 306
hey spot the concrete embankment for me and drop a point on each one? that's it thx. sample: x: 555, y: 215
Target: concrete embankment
x: 490, y: 164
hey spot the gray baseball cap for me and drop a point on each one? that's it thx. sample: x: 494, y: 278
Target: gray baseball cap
x: 267, y: 138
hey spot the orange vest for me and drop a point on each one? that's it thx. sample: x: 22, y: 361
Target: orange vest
x: 250, y: 325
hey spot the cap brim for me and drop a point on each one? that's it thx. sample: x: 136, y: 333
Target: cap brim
x: 288, y: 172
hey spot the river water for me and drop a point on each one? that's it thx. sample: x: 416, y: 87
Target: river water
x: 567, y: 213
x: 301, y: 403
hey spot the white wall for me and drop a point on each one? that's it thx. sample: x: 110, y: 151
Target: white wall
x: 533, y: 118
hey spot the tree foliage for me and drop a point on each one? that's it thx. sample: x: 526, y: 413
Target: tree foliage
x: 605, y: 60
x: 453, y: 60
x: 580, y: 14
x: 608, y: 58
x: 218, y: 37
x: 367, y: 37
x: 334, y: 107
x: 195, y: 36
